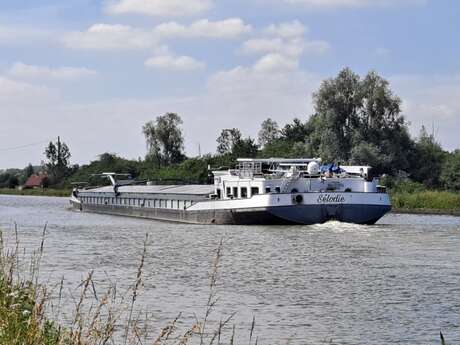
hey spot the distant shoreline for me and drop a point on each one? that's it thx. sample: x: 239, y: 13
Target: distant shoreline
x: 36, y: 192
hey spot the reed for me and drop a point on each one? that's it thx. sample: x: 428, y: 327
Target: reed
x: 26, y: 308
x: 429, y: 200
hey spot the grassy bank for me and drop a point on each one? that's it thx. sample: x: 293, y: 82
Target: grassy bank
x: 36, y: 192
x: 437, y: 202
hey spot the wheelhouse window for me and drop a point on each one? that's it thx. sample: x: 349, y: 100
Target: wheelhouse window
x: 244, y: 192
x: 254, y: 190
x: 278, y: 189
x: 268, y: 190
x: 229, y: 191
x: 235, y: 192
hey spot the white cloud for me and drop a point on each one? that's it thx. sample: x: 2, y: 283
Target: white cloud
x: 431, y: 100
x: 228, y: 28
x: 13, y: 92
x: 23, y: 71
x: 262, y: 45
x: 110, y: 37
x: 287, y: 29
x: 287, y: 39
x: 162, y: 8
x: 124, y: 37
x: 282, y: 52
x: 174, y: 63
x: 240, y: 92
x: 353, y: 3
x: 292, y: 47
x: 275, y: 63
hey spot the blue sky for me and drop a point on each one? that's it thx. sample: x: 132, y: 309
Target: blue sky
x: 94, y: 72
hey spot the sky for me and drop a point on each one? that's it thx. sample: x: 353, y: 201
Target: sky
x: 94, y: 71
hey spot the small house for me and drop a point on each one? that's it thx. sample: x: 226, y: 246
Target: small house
x: 36, y: 181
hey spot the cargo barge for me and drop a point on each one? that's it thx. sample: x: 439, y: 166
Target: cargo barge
x: 258, y: 191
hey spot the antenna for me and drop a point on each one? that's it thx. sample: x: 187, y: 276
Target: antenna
x: 199, y: 150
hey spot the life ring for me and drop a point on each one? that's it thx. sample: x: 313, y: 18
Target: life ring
x: 298, y: 199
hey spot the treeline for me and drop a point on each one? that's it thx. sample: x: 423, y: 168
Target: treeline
x: 356, y: 120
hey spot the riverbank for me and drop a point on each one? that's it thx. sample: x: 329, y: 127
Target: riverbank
x: 426, y: 202
x: 36, y: 192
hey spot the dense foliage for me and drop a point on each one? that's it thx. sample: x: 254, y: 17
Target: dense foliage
x: 165, y: 142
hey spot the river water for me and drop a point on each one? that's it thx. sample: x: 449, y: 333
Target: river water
x: 394, y: 282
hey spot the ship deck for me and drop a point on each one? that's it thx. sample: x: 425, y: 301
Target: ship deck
x: 197, y: 190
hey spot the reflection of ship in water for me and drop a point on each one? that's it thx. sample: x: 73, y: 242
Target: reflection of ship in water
x: 258, y: 191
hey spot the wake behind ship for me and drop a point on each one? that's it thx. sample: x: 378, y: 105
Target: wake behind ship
x: 258, y: 191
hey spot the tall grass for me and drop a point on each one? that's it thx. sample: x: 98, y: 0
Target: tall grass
x: 434, y: 200
x: 27, y: 309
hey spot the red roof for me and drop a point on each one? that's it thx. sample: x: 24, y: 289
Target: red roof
x: 35, y: 181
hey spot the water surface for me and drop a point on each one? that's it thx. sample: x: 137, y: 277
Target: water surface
x: 395, y: 282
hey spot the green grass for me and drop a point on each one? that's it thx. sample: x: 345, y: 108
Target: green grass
x: 429, y: 200
x: 36, y: 192
x: 21, y: 317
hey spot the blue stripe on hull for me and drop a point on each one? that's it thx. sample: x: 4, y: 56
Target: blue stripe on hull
x: 314, y: 214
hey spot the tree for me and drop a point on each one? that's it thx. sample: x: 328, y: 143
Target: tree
x: 245, y: 147
x: 227, y: 140
x: 231, y: 143
x: 450, y: 175
x: 165, y: 142
x: 9, y: 179
x: 429, y: 159
x: 269, y: 132
x: 295, y: 132
x: 365, y: 154
x: 13, y: 182
x: 350, y: 111
x: 58, y: 155
x: 28, y: 171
